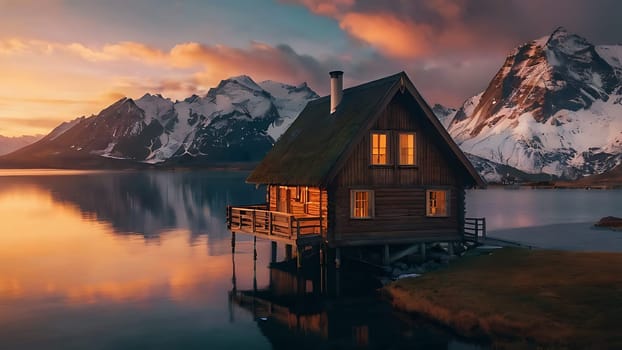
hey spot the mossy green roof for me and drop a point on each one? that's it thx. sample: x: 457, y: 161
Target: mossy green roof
x: 307, y: 153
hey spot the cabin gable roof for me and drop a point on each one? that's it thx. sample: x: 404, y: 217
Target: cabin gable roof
x: 315, y: 147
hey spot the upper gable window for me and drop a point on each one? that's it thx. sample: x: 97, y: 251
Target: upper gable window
x: 407, y: 149
x: 379, y: 148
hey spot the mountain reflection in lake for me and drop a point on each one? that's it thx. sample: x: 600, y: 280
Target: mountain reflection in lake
x: 147, y: 203
x: 132, y: 260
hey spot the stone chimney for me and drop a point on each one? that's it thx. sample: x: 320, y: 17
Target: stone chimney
x: 336, y: 89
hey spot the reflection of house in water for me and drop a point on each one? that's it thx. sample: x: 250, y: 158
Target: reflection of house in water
x: 291, y: 312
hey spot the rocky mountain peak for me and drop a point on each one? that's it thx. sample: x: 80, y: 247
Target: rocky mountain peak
x: 542, y: 110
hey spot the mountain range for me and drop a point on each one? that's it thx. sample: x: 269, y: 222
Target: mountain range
x: 553, y: 110
x: 238, y: 121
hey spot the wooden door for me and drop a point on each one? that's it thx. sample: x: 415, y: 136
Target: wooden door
x: 282, y: 203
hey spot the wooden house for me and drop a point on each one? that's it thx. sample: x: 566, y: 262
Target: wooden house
x: 368, y: 165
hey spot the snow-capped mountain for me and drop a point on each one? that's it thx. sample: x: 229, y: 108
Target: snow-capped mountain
x: 10, y: 144
x: 444, y: 114
x: 237, y: 121
x: 554, y: 107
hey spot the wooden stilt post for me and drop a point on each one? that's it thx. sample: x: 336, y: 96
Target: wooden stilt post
x: 337, y: 271
x: 273, y: 252
x: 387, y: 256
x: 450, y: 248
x: 322, y: 268
x: 233, y: 278
x: 299, y: 256
x: 423, y: 251
x: 255, y: 263
x: 288, y: 251
x: 337, y: 258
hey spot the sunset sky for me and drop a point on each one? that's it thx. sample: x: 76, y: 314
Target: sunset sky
x: 60, y: 59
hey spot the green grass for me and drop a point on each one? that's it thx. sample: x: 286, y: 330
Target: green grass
x: 543, y: 297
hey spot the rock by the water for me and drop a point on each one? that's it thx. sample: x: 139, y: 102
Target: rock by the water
x: 610, y: 222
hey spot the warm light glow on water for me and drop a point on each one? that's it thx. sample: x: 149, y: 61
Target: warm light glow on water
x: 112, y: 258
x: 48, y: 250
x: 47, y: 172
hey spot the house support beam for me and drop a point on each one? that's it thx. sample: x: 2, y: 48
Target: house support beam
x: 410, y: 250
x: 386, y: 259
x: 337, y: 271
x: 273, y: 248
x: 322, y: 268
x: 288, y: 251
x: 423, y: 251
x: 299, y: 250
x: 337, y: 258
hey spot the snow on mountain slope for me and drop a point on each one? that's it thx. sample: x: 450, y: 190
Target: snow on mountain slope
x: 239, y: 120
x: 289, y: 101
x: 444, y: 114
x: 555, y: 106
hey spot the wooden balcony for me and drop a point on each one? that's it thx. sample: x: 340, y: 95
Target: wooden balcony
x: 274, y: 225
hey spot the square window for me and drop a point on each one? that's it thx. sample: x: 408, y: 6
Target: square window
x: 361, y: 204
x: 379, y: 149
x: 437, y: 203
x: 407, y: 149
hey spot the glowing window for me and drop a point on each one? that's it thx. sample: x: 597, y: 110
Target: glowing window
x: 361, y: 204
x: 437, y: 202
x: 378, y: 149
x: 302, y: 194
x: 407, y: 149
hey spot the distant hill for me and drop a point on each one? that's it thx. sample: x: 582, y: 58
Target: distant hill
x: 10, y: 144
x: 611, y: 178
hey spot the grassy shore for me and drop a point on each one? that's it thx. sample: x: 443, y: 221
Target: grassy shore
x: 519, y: 297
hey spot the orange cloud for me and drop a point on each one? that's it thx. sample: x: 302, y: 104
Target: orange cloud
x: 121, y: 50
x: 11, y: 46
x: 261, y: 60
x: 395, y: 37
x: 448, y: 9
x: 328, y: 7
x: 402, y: 30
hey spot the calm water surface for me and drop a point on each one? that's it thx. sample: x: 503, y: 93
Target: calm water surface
x: 142, y: 260
x: 508, y: 208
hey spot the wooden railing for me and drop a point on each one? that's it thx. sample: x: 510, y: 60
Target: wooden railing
x: 256, y: 219
x: 475, y: 228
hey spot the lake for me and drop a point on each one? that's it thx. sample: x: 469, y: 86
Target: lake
x: 549, y: 218
x: 127, y: 260
x: 137, y: 260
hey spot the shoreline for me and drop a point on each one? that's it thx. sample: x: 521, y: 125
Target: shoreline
x: 526, y: 297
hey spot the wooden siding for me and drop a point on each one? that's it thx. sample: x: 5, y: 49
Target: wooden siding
x: 399, y: 191
x: 400, y: 213
x: 432, y: 166
x: 316, y: 205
